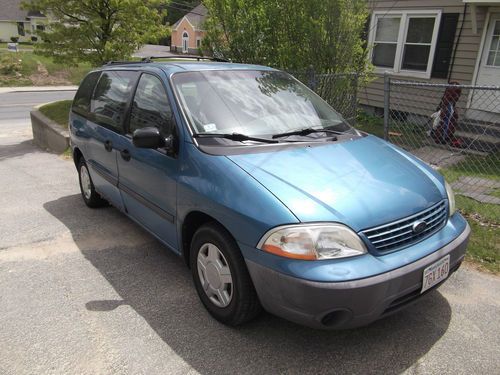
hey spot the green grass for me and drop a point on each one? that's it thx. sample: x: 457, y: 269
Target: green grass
x: 370, y: 123
x: 484, y: 218
x: 484, y: 246
x: 58, y: 112
x: 3, y: 45
x: 496, y: 193
x: 475, y: 166
x: 20, y: 69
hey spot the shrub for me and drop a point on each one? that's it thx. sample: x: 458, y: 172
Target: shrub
x: 14, y: 39
x: 9, y: 65
x: 34, y: 39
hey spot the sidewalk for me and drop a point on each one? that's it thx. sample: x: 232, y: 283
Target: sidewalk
x: 4, y: 90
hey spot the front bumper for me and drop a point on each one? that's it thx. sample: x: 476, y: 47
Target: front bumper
x: 352, y: 303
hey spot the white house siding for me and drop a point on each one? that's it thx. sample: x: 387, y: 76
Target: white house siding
x: 465, y: 59
x: 8, y: 29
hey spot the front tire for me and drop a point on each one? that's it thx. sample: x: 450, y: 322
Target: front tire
x: 91, y: 197
x: 221, y: 277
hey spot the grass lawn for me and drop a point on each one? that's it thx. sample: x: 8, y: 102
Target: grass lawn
x: 58, y: 112
x: 28, y: 68
x: 370, y: 123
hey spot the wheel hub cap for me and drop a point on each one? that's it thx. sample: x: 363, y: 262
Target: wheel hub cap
x: 85, y: 181
x: 215, y: 275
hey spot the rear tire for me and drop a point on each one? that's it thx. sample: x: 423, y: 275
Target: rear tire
x: 221, y: 277
x: 91, y: 197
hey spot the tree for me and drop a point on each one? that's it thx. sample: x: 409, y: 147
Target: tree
x: 97, y: 31
x: 289, y: 34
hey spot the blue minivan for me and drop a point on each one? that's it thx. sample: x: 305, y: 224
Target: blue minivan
x: 274, y: 201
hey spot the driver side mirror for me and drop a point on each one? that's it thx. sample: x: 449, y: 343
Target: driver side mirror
x: 151, y: 137
x: 147, y: 138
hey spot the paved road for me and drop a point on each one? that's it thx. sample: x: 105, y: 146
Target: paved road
x: 88, y: 292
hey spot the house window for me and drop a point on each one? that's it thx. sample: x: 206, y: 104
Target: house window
x: 494, y: 51
x: 198, y: 42
x: 386, y: 41
x: 404, y: 42
x: 20, y: 29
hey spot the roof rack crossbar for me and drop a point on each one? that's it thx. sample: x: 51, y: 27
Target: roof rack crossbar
x: 150, y: 59
x: 193, y: 57
x: 123, y: 62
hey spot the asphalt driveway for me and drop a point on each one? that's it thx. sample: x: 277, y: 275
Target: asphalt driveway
x: 88, y: 292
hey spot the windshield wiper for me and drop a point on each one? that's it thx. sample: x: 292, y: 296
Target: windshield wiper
x: 234, y: 137
x: 307, y: 131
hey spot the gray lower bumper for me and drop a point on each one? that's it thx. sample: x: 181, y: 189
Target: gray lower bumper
x: 352, y: 303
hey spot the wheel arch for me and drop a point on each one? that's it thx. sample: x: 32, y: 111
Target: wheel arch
x: 192, y: 221
x: 77, y: 155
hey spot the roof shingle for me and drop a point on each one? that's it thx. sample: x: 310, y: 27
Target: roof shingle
x: 11, y: 11
x: 196, y: 17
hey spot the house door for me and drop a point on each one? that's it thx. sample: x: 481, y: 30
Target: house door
x: 185, y: 42
x: 489, y: 74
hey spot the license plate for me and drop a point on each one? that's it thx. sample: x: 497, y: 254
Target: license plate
x: 436, y: 273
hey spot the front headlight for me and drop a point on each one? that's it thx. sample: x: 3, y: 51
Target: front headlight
x: 313, y: 242
x: 451, y: 198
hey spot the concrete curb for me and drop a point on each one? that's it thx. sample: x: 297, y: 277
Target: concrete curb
x: 47, y: 134
x: 6, y: 90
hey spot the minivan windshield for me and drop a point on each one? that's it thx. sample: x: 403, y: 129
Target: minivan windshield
x: 252, y: 102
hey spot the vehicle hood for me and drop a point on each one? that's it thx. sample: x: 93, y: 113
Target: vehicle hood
x: 362, y: 182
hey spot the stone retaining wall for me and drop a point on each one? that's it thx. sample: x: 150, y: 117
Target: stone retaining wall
x: 47, y: 134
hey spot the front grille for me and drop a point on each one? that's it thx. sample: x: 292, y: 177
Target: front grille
x: 400, y: 233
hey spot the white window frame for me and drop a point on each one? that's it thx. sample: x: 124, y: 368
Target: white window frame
x: 405, y: 16
x: 488, y: 50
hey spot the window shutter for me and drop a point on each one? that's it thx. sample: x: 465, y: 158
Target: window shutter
x: 444, y: 46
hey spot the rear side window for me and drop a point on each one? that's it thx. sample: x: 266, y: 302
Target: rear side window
x: 81, y: 103
x: 150, y: 107
x: 110, y: 98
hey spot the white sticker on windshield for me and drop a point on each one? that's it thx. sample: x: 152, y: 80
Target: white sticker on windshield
x: 209, y: 127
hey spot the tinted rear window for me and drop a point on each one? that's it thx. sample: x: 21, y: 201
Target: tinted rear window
x: 110, y: 98
x: 81, y: 103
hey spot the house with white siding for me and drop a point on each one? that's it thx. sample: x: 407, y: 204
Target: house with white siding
x: 435, y: 41
x: 19, y: 23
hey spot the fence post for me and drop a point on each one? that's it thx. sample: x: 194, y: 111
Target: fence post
x: 387, y: 105
x: 311, y: 75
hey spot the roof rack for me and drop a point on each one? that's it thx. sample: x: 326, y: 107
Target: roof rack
x: 150, y: 59
x: 124, y: 62
x: 192, y: 57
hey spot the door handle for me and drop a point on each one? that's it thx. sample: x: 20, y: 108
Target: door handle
x: 108, y: 146
x: 125, y: 155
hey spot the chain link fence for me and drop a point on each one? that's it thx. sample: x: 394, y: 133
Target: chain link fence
x: 454, y: 128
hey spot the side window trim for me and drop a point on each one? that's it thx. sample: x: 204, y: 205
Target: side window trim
x: 122, y: 129
x: 134, y: 91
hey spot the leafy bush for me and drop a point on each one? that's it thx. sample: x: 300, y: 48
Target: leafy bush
x: 34, y: 39
x: 291, y: 35
x: 9, y: 65
x: 14, y: 39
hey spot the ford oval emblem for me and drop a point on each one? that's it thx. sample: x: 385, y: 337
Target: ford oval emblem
x: 419, y: 226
